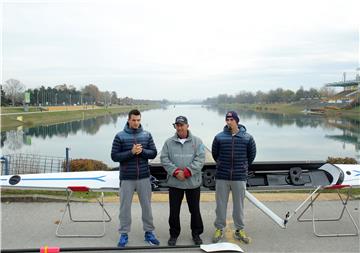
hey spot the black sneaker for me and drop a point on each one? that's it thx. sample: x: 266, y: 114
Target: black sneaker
x: 172, y: 241
x: 197, y: 240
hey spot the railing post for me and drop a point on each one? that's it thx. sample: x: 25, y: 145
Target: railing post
x: 67, y: 160
x: 6, y: 161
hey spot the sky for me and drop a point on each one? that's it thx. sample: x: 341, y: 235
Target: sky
x: 179, y: 50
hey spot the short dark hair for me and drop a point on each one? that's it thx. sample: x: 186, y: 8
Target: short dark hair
x: 134, y: 112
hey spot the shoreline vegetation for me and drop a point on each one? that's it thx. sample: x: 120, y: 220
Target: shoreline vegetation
x: 55, y: 115
x: 49, y: 116
x: 285, y: 108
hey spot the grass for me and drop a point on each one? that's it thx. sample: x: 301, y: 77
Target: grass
x: 268, y: 108
x: 355, y: 191
x: 353, y: 113
x: 18, y: 109
x: 9, y: 122
x: 283, y: 108
x: 79, y: 195
x: 355, y: 194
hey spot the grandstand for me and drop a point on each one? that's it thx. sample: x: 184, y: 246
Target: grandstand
x: 349, y: 97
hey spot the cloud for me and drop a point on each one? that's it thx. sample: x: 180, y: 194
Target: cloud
x: 159, y: 49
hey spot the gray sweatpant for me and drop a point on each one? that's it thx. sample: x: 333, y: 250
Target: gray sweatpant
x: 223, y: 188
x: 126, y: 192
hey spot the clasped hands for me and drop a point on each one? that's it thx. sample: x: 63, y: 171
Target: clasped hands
x: 136, y: 149
x: 182, y: 174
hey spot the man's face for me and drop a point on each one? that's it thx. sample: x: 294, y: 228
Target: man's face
x: 134, y: 121
x: 231, y: 123
x: 182, y: 129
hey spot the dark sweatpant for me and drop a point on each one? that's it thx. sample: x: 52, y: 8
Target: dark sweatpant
x: 176, y: 196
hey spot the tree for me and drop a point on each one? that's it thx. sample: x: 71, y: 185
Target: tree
x: 106, y: 97
x: 313, y: 93
x: 14, y: 91
x: 274, y: 96
x: 289, y: 95
x: 92, y: 91
x: 327, y: 92
x: 114, y: 98
x: 260, y: 97
x: 4, y: 100
x: 223, y: 99
x: 299, y: 94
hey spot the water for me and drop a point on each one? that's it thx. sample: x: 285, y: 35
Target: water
x: 278, y: 137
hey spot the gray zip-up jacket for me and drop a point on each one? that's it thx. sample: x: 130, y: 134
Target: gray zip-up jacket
x: 191, y: 154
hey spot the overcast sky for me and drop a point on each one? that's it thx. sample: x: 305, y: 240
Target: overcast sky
x: 179, y: 49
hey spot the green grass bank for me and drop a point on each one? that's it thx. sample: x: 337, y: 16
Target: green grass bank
x: 9, y: 122
x: 353, y: 113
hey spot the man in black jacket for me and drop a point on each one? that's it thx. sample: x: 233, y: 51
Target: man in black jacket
x: 132, y: 147
x: 234, y: 150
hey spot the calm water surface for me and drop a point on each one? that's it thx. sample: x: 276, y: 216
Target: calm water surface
x: 278, y: 137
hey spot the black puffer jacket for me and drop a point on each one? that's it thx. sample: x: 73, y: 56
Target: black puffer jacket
x: 133, y: 167
x: 233, y: 154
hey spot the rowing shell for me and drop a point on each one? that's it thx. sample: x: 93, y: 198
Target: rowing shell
x: 325, y: 175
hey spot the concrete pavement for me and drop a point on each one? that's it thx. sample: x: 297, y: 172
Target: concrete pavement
x: 32, y: 225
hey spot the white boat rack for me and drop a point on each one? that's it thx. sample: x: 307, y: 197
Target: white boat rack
x: 343, y: 200
x: 100, y: 199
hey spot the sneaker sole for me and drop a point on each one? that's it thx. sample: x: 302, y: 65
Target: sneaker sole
x: 152, y: 244
x: 218, y: 240
x: 241, y: 240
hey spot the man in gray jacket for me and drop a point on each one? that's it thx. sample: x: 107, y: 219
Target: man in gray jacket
x: 183, y: 156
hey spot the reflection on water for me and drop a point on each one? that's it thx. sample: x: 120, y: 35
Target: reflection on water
x: 280, y: 120
x: 350, y: 132
x: 278, y: 136
x: 350, y: 127
x: 89, y: 126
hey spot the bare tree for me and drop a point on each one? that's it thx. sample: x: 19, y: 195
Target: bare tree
x: 106, y: 97
x: 14, y: 90
x: 114, y: 98
x: 327, y: 92
x: 93, y: 91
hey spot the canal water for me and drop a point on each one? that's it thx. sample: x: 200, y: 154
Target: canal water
x: 278, y: 137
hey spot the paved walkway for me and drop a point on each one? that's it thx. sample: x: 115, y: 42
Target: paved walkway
x: 32, y: 225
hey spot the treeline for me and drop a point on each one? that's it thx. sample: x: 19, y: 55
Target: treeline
x: 273, y: 96
x: 13, y: 92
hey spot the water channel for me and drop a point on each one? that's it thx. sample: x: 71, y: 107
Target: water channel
x: 278, y: 137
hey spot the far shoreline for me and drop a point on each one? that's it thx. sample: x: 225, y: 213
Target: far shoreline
x: 32, y: 119
x: 292, y: 109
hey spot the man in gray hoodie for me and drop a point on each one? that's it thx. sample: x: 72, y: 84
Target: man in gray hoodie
x: 183, y: 156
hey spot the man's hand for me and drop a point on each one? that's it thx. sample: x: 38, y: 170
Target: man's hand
x: 180, y: 175
x: 187, y: 172
x: 136, y: 149
x: 139, y: 149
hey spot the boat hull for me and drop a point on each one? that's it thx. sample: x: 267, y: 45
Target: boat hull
x: 265, y: 176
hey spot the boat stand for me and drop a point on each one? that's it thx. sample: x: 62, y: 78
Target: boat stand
x: 343, y: 200
x: 100, y: 199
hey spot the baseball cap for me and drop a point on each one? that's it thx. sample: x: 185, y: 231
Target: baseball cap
x: 181, y: 120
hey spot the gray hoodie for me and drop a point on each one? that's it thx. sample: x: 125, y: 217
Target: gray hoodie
x: 175, y: 155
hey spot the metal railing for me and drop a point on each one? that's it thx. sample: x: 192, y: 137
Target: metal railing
x: 31, y: 163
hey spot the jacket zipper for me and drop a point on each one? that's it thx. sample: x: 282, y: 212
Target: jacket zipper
x: 137, y: 161
x: 232, y: 157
